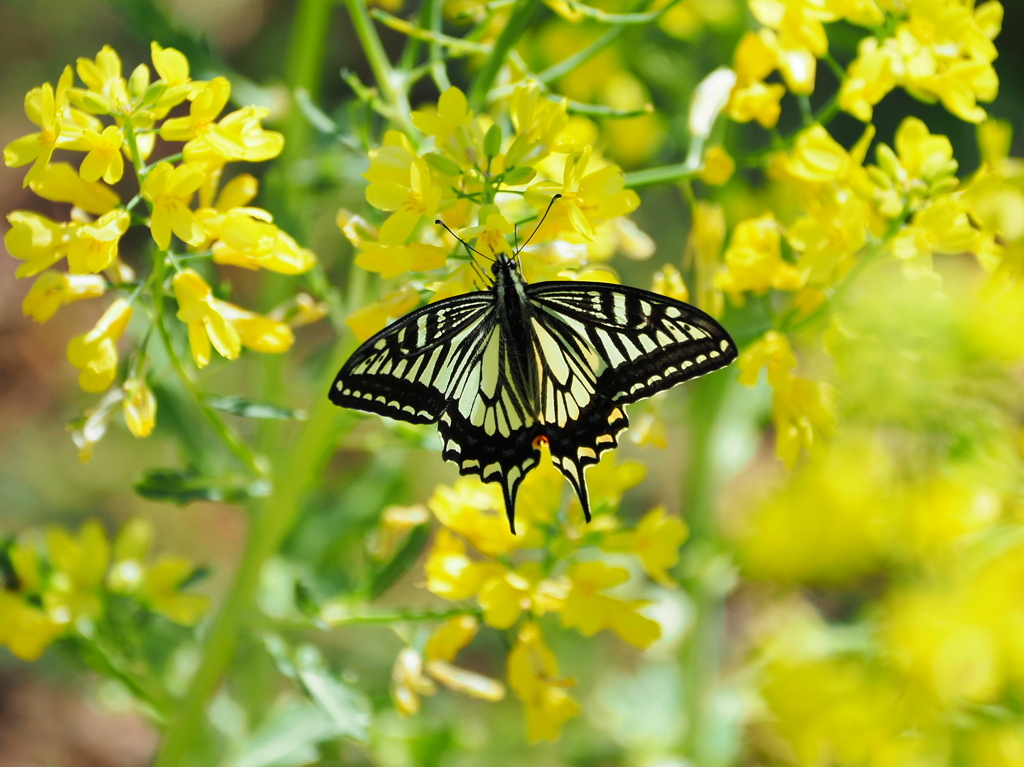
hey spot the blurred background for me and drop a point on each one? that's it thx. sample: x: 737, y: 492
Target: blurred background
x: 836, y: 569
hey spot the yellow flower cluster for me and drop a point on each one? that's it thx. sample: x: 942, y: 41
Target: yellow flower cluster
x: 485, y: 185
x: 115, y: 120
x: 62, y: 583
x: 473, y: 558
x: 836, y: 212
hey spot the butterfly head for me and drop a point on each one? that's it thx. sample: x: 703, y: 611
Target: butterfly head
x: 503, y: 263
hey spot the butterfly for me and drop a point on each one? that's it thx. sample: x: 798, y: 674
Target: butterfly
x: 515, y: 365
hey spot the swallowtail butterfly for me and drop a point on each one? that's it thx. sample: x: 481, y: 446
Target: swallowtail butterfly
x: 507, y: 368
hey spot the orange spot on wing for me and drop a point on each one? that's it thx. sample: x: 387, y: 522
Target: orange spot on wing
x: 540, y: 441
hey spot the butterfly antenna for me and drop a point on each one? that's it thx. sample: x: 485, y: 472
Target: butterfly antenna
x: 468, y: 246
x: 515, y: 234
x: 541, y: 222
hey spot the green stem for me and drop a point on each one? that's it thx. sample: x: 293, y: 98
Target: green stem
x: 297, y: 469
x: 383, y: 72
x: 517, y: 24
x: 702, y: 652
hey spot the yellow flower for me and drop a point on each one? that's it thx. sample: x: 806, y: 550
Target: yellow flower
x: 452, y: 113
x: 104, y: 157
x: 754, y: 260
x: 539, y: 123
x: 170, y: 189
x: 396, y: 522
x: 869, y: 78
x: 589, y: 611
x: 507, y: 595
x: 491, y: 234
x: 44, y: 106
x: 803, y: 410
x: 201, y: 121
x: 60, y: 182
x: 139, y: 406
x: 366, y: 321
x: 757, y: 101
x: 718, y: 166
x: 161, y: 591
x: 94, y: 247
x: 108, y: 91
x: 943, y: 226
x: 588, y: 199
x: 79, y: 566
x: 402, y: 183
x: 55, y: 289
x: 227, y: 326
x: 669, y: 282
x: 655, y: 542
x: 173, y: 69
x: 37, y: 241
x: 533, y: 676
x: 238, y: 136
x: 95, y: 352
x: 450, y: 637
x: 409, y: 682
x: 157, y: 585
x: 25, y: 629
x: 451, y: 574
x: 475, y: 511
x: 829, y: 523
x: 250, y: 243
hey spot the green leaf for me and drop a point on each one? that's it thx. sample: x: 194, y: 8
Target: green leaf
x: 184, y: 486
x: 248, y: 408
x: 288, y: 737
x: 401, y: 562
x: 347, y: 707
x: 519, y: 176
x: 492, y: 141
x: 316, y: 116
x: 442, y: 164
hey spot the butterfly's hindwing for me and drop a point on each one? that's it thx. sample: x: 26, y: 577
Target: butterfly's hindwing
x: 580, y: 443
x: 407, y: 370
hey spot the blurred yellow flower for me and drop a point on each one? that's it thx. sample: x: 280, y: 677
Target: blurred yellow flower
x: 754, y: 260
x: 369, y: 319
x: 669, y: 282
x: 95, y: 352
x: 79, y: 566
x: 589, y: 611
x: 718, y: 166
x: 94, y: 246
x: 44, y: 106
x: 533, y: 676
x: 59, y: 182
x: 139, y: 406
x: 53, y: 290
x: 37, y: 241
x: 655, y: 542
x: 25, y: 629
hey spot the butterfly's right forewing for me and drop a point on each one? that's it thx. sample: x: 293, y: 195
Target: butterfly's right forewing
x: 407, y: 370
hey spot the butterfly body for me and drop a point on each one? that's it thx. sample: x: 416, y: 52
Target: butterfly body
x: 502, y: 369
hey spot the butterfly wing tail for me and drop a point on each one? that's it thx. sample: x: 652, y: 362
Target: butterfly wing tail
x: 580, y: 445
x: 505, y: 461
